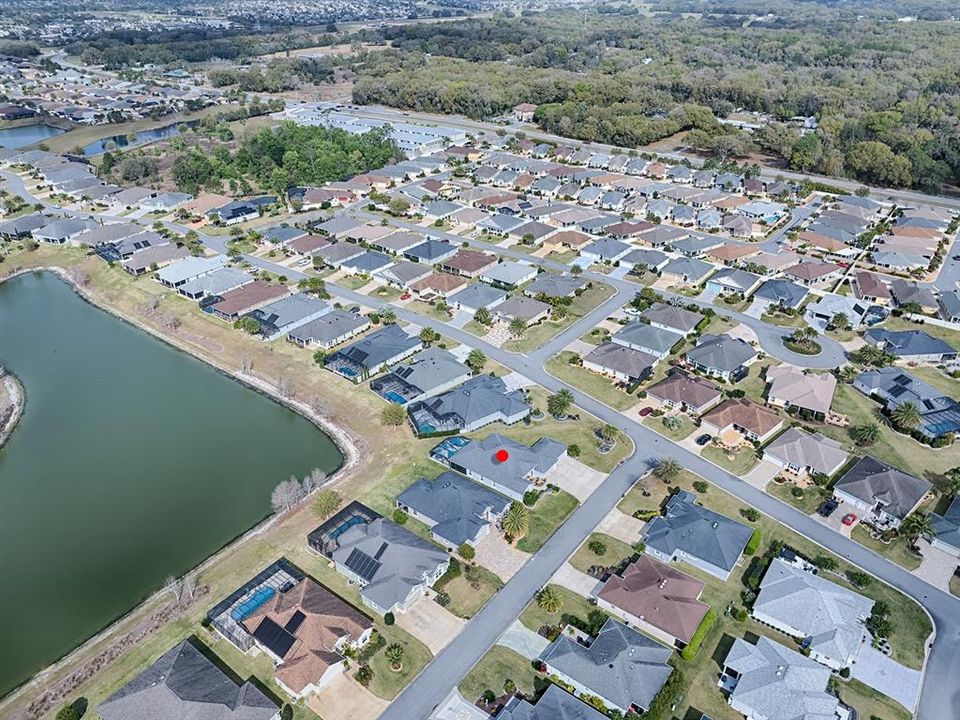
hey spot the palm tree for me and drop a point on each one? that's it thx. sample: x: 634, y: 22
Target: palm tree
x: 516, y: 521
x: 388, y: 316
x: 483, y: 316
x: 672, y: 422
x: 915, y: 526
x: 517, y: 327
x: 866, y: 434
x: 560, y: 403
x: 476, y: 361
x: 950, y: 483
x: 549, y: 600
x: 666, y: 468
x: 906, y: 415
x: 394, y: 653
x: 428, y: 336
x: 847, y: 373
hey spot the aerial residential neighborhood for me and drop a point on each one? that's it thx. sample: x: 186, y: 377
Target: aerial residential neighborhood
x: 322, y: 400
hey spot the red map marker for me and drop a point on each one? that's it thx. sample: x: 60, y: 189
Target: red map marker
x: 502, y: 456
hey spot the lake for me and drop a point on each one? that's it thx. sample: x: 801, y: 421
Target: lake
x: 132, y: 462
x: 121, y: 142
x: 18, y: 137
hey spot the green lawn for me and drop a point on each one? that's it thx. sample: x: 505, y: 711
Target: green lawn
x: 494, y: 669
x: 869, y: 703
x: 537, y: 335
x: 570, y: 432
x: 687, y: 426
x: 428, y: 310
x: 754, y: 384
x: 546, y: 516
x: 354, y: 282
x: 806, y: 504
x: 399, y: 477
x: 593, y: 384
x: 946, y: 334
x: 896, y: 551
x: 567, y: 256
x: 892, y: 447
x: 535, y: 617
x: 470, y: 590
x: 737, y: 462
x: 615, y: 553
x: 596, y: 336
x: 782, y: 320
x: 475, y: 328
x: 937, y: 378
x: 387, y: 293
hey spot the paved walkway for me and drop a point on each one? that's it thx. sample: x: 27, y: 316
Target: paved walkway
x: 572, y: 579
x: 523, y: 641
x: 887, y: 676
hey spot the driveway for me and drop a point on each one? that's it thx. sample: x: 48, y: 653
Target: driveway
x: 937, y: 567
x: 460, y: 318
x: 756, y: 308
x: 621, y: 526
x: 454, y: 707
x: 887, y: 676
x: 344, y: 697
x: 431, y: 624
x: 524, y: 641
x: 576, y: 478
x: 516, y: 381
x: 498, y: 557
x: 762, y: 474
x: 572, y: 579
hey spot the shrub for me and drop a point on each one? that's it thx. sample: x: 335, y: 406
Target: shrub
x: 399, y: 516
x: 858, y: 578
x: 509, y: 686
x: 573, y: 450
x: 693, y: 647
x: 389, y: 619
x: 530, y: 497
x: 751, y: 514
x: 597, y: 547
x: 489, y: 696
x: 442, y: 598
x: 69, y: 712
x: 467, y: 551
x: 753, y: 543
x: 700, y: 486
x: 364, y: 675
x: 825, y: 562
x: 740, y: 614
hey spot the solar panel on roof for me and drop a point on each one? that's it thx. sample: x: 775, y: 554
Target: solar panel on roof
x: 274, y: 637
x: 294, y: 623
x: 362, y: 564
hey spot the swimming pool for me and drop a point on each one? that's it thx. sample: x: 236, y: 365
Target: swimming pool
x: 245, y: 608
x: 395, y: 397
x: 346, y: 525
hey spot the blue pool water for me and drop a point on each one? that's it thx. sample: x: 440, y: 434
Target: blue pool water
x: 248, y: 606
x: 346, y: 525
x: 395, y: 397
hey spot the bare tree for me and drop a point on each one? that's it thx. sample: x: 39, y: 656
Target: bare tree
x: 287, y: 494
x: 285, y: 388
x: 79, y: 276
x: 188, y: 589
x: 313, y: 480
x: 321, y: 408
x: 174, y: 586
x: 169, y: 321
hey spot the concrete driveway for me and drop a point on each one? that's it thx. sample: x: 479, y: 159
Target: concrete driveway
x: 576, y: 478
x: 344, y: 697
x: 572, y: 579
x: 431, y: 624
x: 763, y: 473
x: 756, y: 308
x: 937, y: 567
x: 524, y: 641
x: 502, y: 559
x: 887, y: 676
x: 454, y: 707
x: 621, y: 526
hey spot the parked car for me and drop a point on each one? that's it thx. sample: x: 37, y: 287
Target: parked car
x: 827, y: 509
x: 645, y: 411
x: 703, y: 440
x: 849, y: 519
x: 405, y: 296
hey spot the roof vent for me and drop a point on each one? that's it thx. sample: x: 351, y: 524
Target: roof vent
x: 715, y: 524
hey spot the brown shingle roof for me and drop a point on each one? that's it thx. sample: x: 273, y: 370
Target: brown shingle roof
x: 327, y: 620
x: 439, y: 282
x: 306, y: 244
x: 679, y: 387
x: 659, y: 595
x: 729, y: 253
x: 470, y: 261
x: 745, y: 413
x: 570, y: 238
x: 249, y: 297
x: 811, y: 270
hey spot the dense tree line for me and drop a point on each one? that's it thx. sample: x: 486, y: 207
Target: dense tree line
x: 279, y: 75
x: 18, y: 49
x: 886, y: 94
x: 278, y: 158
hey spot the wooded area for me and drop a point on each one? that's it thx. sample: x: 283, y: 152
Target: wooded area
x: 886, y: 94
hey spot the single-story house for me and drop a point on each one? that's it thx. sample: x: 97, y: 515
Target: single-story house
x: 64, y: 230
x: 249, y: 297
x: 373, y: 353
x: 469, y: 262
x: 646, y: 338
x: 939, y: 413
x: 946, y: 529
x: 529, y: 310
x: 476, y: 296
x: 733, y: 280
x: 722, y: 356
x: 883, y: 494
x: 338, y: 253
x: 657, y: 598
x: 329, y: 330
x: 686, y: 271
x: 623, y: 363
x: 182, y: 271
x: 553, y: 704
x: 456, y: 509
x: 672, y: 318
x: 551, y: 285
x: 800, y: 452
x: 509, y: 274
x: 781, y: 293
x: 481, y: 400
x: 813, y: 273
x: 215, y: 283
x: 165, y: 202
x: 795, y: 390
x: 911, y: 345
x: 154, y: 258
x: 744, y: 416
x: 431, y: 252
x: 428, y: 373
x: 288, y: 313
x: 438, y: 284
x: 692, y: 533
x: 689, y: 393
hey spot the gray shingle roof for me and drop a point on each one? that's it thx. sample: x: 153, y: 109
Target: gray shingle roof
x: 479, y: 398
x: 801, y: 449
x: 698, y: 532
x: 946, y: 527
x: 907, y: 343
x: 830, y: 615
x: 554, y: 704
x: 477, y: 296
x: 523, y: 463
x: 324, y: 330
x: 783, y: 292
x: 554, y: 286
x: 678, y: 318
x: 183, y: 683
x: 721, y: 352
x: 456, y: 504
x: 642, y: 335
x: 778, y: 683
x: 621, y: 359
x: 400, y: 559
x: 620, y: 665
x: 875, y: 482
x: 429, y: 370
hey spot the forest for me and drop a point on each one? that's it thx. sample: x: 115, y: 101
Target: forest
x: 885, y: 93
x: 288, y: 155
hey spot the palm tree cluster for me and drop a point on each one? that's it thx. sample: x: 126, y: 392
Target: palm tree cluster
x: 559, y: 403
x: 516, y: 521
